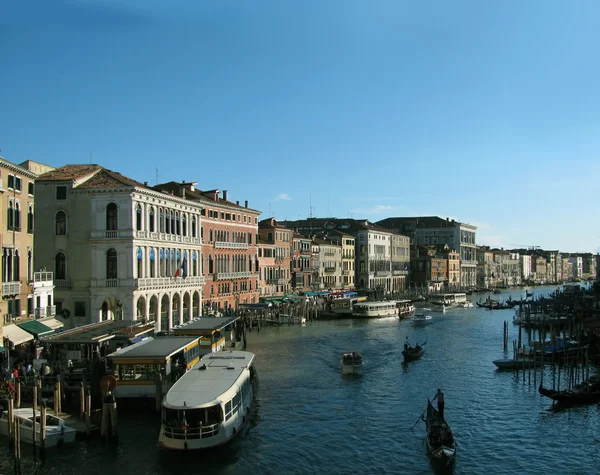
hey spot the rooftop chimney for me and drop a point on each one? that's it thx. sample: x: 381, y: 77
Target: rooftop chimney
x: 246, y: 204
x: 182, y: 192
x: 224, y: 195
x: 145, y: 183
x: 237, y: 202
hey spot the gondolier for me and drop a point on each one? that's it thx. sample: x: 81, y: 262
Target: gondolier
x: 440, y: 401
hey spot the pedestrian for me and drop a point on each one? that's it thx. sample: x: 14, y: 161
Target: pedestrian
x: 440, y: 402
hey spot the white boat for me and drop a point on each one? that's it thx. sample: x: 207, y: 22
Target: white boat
x: 386, y: 308
x: 438, y: 308
x: 467, y: 304
x: 422, y: 319
x: 444, y: 301
x: 303, y: 320
x: 210, y: 404
x: 352, y: 363
x: 405, y: 308
x: 57, y: 431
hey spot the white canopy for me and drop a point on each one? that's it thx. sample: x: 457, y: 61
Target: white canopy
x: 52, y: 323
x: 16, y: 335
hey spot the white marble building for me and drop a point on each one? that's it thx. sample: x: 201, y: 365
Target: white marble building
x: 118, y: 248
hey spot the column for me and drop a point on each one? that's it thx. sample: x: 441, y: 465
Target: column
x: 170, y: 312
x: 180, y: 309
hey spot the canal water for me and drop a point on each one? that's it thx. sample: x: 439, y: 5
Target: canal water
x: 311, y: 420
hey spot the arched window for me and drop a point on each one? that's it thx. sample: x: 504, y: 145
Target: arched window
x: 167, y: 222
x: 60, y: 266
x: 151, y: 221
x: 140, y: 262
x: 177, y: 224
x: 193, y: 226
x: 183, y: 225
x: 111, y: 264
x: 30, y: 220
x: 161, y: 221
x: 173, y: 229
x: 10, y: 216
x: 29, y: 265
x: 61, y: 223
x: 138, y: 217
x: 17, y: 217
x: 112, y: 215
x: 16, y: 266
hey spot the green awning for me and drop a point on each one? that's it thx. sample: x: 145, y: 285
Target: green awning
x: 36, y: 328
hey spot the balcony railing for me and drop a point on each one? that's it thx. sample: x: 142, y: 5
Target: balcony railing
x: 173, y: 282
x: 276, y: 281
x: 43, y: 276
x: 230, y: 245
x: 329, y: 253
x: 330, y: 268
x: 42, y: 312
x: 11, y: 288
x: 156, y: 236
x: 345, y: 272
x: 62, y: 283
x: 232, y: 275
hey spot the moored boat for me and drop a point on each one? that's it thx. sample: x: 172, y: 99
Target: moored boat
x: 405, y: 308
x: 210, y: 404
x: 440, y: 439
x: 586, y: 393
x: 352, y: 363
x: 57, y: 431
x: 509, y: 363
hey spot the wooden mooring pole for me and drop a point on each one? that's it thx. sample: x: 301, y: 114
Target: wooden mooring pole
x: 43, y: 432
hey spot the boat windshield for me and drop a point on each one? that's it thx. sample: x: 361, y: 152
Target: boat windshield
x: 192, y: 417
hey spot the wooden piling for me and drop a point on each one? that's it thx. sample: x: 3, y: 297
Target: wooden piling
x: 33, y: 435
x: 18, y: 393
x: 59, y: 394
x: 43, y: 432
x: 159, y: 390
x: 11, y: 420
x: 56, y: 400
x: 88, y: 413
x: 82, y: 401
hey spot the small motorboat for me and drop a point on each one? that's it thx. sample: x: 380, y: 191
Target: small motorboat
x: 422, y: 319
x: 57, y: 431
x: 352, y: 363
x: 515, y: 364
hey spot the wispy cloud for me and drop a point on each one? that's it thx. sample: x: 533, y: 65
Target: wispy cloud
x: 377, y: 209
x: 493, y: 240
x: 282, y: 197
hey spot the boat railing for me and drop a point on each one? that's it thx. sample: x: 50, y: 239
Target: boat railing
x: 187, y: 433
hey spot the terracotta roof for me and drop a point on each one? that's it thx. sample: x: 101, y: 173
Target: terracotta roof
x: 197, y: 194
x: 69, y: 172
x: 109, y: 179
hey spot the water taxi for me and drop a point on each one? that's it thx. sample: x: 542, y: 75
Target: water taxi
x: 405, y: 308
x: 209, y: 405
x: 343, y: 306
x: 422, y: 319
x: 375, y: 309
x: 352, y: 363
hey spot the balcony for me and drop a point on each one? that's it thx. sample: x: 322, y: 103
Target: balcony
x: 154, y: 236
x: 43, y: 312
x: 11, y: 288
x: 230, y: 245
x: 62, y: 283
x: 231, y: 275
x: 329, y: 253
x: 345, y: 272
x: 330, y: 268
x: 43, y: 276
x: 152, y: 283
x: 276, y: 281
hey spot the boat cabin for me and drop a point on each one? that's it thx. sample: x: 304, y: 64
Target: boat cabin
x: 212, y: 333
x: 344, y: 305
x: 375, y: 309
x: 136, y: 367
x: 450, y: 300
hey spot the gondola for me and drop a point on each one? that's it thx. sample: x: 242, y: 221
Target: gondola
x: 573, y: 397
x: 412, y: 353
x: 440, y: 439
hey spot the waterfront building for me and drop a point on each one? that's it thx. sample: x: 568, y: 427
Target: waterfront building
x: 300, y: 265
x: 400, y: 256
x: 229, y: 246
x: 429, y: 268
x: 17, y: 194
x: 433, y: 230
x: 315, y: 267
x: 576, y: 266
x: 525, y: 260
x: 486, y: 268
x: 373, y: 251
x: 453, y: 265
x: 538, y: 269
x: 278, y: 275
x: 330, y: 263
x: 567, y: 268
x: 588, y: 266
x: 347, y: 243
x: 118, y: 249
x: 269, y: 281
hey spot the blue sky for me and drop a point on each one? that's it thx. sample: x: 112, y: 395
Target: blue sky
x: 487, y: 112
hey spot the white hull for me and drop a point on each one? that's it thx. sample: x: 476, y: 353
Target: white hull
x: 55, y: 435
x: 352, y: 369
x: 422, y: 321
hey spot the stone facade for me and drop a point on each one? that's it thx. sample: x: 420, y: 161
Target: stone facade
x: 278, y: 276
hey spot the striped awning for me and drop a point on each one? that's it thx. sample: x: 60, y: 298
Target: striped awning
x: 16, y: 335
